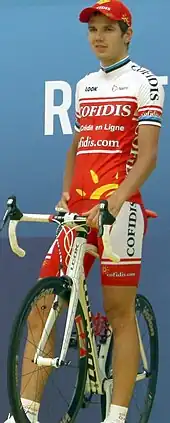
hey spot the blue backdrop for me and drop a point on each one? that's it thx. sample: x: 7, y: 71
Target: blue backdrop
x: 44, y: 51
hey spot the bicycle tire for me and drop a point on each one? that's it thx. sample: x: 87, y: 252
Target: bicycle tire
x: 56, y: 285
x: 144, y: 307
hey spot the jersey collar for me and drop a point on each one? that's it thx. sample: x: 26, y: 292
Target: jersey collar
x: 115, y: 66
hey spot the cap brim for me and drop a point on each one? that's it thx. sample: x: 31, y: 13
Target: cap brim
x: 85, y: 15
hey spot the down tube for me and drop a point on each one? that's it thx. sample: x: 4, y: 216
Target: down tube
x: 95, y: 377
x: 74, y: 271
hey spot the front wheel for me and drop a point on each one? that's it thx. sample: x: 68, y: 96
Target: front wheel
x: 63, y: 393
x: 145, y: 387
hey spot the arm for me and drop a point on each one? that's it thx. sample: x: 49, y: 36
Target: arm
x: 149, y: 124
x: 148, y: 137
x: 68, y: 173
x: 70, y: 162
x: 70, y: 159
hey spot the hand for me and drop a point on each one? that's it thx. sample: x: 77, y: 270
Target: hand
x: 62, y: 204
x: 114, y: 206
x: 92, y: 216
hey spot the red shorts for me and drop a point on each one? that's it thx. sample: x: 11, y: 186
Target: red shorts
x: 126, y: 238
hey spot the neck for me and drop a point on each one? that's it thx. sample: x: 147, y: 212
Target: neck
x: 106, y: 63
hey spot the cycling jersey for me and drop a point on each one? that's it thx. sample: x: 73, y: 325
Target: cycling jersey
x: 110, y: 106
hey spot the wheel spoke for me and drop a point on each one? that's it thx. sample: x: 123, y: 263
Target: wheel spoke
x: 63, y: 391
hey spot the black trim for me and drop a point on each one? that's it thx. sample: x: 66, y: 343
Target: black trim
x: 115, y: 66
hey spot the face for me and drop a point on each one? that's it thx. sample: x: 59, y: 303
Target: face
x: 106, y: 39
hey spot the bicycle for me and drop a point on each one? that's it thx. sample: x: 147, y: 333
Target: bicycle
x: 84, y: 336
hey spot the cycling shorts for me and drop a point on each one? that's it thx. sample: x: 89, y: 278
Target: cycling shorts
x: 126, y: 237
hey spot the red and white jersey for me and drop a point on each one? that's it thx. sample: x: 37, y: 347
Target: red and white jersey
x: 110, y: 106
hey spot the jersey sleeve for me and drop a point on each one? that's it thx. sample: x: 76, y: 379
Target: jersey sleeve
x: 77, y: 110
x: 150, y: 104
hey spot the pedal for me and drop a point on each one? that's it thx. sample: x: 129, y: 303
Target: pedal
x: 62, y: 363
x: 73, y: 341
x: 86, y: 400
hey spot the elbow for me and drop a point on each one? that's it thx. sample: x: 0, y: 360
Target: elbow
x: 154, y: 160
x: 149, y: 161
x: 71, y: 152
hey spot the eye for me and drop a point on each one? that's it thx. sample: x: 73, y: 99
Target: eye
x: 92, y: 29
x: 109, y: 29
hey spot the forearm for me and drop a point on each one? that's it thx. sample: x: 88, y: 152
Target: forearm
x: 69, y: 169
x: 136, y: 177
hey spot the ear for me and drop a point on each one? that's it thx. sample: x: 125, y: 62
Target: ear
x: 128, y: 35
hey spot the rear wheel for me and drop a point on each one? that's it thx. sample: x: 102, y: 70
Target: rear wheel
x: 63, y: 394
x: 145, y: 387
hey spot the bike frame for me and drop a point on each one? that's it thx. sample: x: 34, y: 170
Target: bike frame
x: 75, y: 270
x: 97, y: 381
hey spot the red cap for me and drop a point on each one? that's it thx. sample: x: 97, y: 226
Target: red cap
x: 113, y: 9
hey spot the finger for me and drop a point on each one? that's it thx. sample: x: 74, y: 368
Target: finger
x: 95, y: 222
x: 92, y: 211
x: 89, y: 219
x: 62, y: 205
x: 87, y: 213
x: 92, y: 218
x: 66, y: 196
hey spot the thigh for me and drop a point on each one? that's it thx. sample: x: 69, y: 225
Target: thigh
x: 55, y: 256
x: 126, y: 238
x: 58, y: 253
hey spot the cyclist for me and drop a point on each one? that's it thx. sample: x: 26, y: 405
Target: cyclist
x: 114, y: 151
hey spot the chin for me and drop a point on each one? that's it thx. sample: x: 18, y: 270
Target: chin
x: 101, y: 56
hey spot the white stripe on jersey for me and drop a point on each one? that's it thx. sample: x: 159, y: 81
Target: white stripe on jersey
x: 106, y: 100
x: 121, y: 262
x: 149, y: 122
x: 150, y: 108
x: 99, y: 151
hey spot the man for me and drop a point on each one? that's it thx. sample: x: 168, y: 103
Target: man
x: 114, y: 151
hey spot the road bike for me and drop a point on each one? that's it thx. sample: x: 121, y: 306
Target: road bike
x: 80, y: 365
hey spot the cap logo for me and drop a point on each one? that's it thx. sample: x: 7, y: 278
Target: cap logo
x: 125, y: 19
x: 103, y: 1
x: 102, y: 8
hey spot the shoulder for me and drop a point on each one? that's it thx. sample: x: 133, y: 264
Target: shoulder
x: 89, y: 81
x: 147, y: 81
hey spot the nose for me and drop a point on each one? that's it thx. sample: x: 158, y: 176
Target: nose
x: 99, y: 35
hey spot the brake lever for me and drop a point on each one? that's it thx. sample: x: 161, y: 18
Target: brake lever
x: 105, y: 217
x: 12, y: 212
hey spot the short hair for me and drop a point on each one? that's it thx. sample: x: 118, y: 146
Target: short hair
x: 123, y: 27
